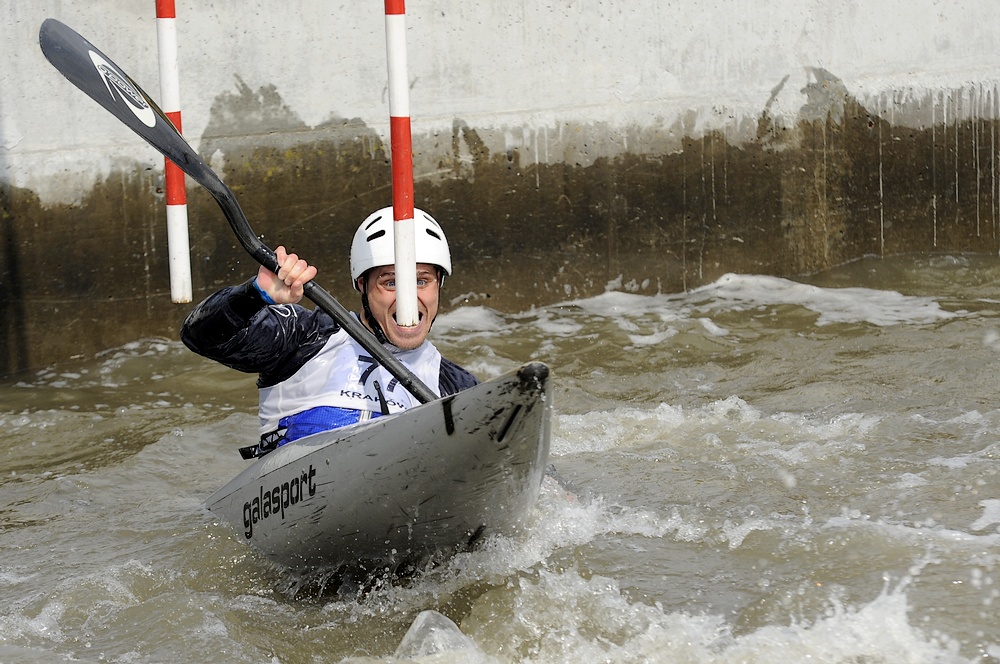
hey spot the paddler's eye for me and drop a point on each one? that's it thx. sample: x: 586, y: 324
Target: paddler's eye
x: 425, y: 281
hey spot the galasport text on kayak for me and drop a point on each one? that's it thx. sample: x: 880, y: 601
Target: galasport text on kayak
x: 278, y: 499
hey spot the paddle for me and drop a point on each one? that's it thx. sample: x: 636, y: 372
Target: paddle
x: 104, y: 82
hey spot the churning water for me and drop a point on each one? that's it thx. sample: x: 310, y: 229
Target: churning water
x: 758, y: 470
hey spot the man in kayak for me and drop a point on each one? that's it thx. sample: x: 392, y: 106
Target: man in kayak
x: 312, y: 375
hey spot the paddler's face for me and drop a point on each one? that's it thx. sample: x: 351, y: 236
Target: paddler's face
x: 382, y: 301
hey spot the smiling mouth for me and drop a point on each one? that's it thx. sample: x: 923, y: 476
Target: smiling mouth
x: 420, y: 317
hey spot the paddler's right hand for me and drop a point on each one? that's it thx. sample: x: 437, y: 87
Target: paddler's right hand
x: 286, y: 287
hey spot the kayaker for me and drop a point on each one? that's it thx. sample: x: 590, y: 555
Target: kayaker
x: 312, y: 375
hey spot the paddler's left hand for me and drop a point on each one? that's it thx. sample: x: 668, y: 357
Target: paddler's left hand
x: 286, y: 287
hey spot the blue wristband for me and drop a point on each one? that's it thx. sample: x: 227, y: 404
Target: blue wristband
x: 263, y: 294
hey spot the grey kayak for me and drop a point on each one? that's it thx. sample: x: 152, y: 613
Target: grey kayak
x: 400, y: 489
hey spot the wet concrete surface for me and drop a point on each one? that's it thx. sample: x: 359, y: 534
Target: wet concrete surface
x: 841, y: 184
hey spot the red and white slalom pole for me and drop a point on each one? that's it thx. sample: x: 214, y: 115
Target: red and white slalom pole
x: 402, y: 164
x: 178, y: 248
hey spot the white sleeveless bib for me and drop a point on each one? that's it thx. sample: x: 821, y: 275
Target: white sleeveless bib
x: 343, y: 375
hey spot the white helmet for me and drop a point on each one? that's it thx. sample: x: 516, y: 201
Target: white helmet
x: 373, y: 244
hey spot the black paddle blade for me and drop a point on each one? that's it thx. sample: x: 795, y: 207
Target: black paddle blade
x: 86, y: 67
x: 103, y: 81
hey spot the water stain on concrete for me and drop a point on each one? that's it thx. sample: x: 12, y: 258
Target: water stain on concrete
x: 840, y: 184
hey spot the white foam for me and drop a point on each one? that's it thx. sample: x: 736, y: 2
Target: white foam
x: 712, y: 328
x: 562, y: 521
x: 915, y: 534
x: 960, y: 461
x: 834, y: 305
x: 432, y: 634
x: 557, y: 326
x: 651, y: 339
x: 651, y: 320
x: 739, y: 292
x: 991, y: 515
x: 622, y: 428
x: 567, y: 617
x: 613, y: 304
x: 469, y: 319
x: 746, y: 427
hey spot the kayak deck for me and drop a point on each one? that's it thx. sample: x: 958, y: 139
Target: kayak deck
x: 400, y: 489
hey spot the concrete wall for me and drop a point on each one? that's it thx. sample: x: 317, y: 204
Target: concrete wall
x: 561, y: 144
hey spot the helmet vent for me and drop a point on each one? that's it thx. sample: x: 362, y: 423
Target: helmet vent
x: 376, y: 235
x: 433, y: 234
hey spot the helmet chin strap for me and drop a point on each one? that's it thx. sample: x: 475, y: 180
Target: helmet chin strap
x: 372, y: 323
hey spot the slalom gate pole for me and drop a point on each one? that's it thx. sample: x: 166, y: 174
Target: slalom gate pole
x: 402, y: 164
x: 90, y: 70
x: 178, y: 245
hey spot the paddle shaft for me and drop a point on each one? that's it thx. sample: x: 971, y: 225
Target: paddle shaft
x: 95, y: 74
